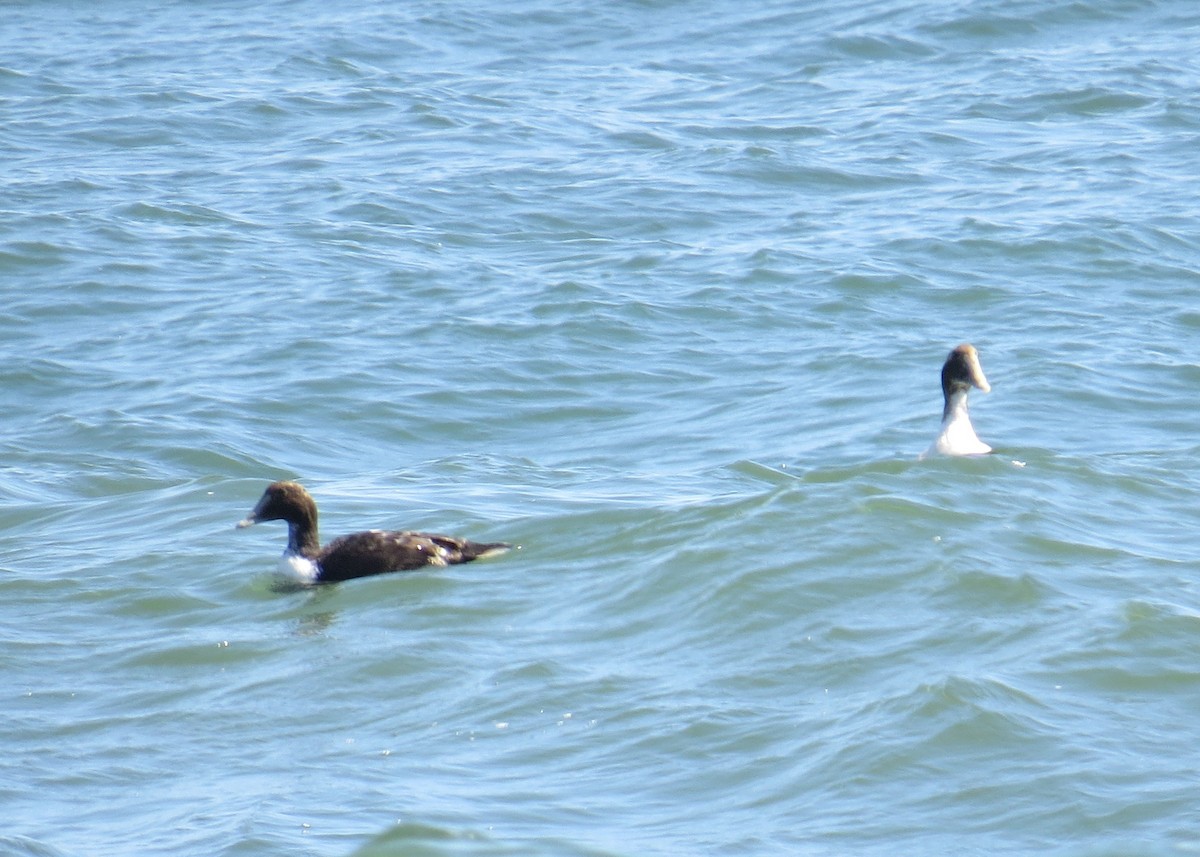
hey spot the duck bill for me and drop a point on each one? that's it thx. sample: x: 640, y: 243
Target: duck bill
x: 977, y: 376
x: 255, y: 516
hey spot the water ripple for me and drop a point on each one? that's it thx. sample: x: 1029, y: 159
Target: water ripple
x: 660, y: 294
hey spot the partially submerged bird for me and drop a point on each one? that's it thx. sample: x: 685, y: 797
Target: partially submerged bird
x: 358, y: 554
x: 960, y: 373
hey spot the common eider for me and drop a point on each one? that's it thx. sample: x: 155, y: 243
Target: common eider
x: 358, y: 554
x: 960, y: 373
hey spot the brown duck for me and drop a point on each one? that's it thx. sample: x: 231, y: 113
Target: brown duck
x: 358, y: 554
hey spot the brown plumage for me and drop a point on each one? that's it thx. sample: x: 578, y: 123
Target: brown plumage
x: 358, y: 554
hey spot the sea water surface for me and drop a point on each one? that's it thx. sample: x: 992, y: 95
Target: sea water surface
x: 658, y: 291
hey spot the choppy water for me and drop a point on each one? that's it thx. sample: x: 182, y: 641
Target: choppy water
x: 660, y: 292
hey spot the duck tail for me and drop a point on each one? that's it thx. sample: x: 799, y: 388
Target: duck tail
x: 482, y: 550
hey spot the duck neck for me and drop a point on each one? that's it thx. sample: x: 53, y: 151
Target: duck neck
x: 955, y: 408
x: 302, y: 537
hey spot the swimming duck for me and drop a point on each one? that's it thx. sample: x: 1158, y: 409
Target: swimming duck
x: 358, y: 554
x: 960, y: 373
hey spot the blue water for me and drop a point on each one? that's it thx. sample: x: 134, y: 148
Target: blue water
x: 660, y: 292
